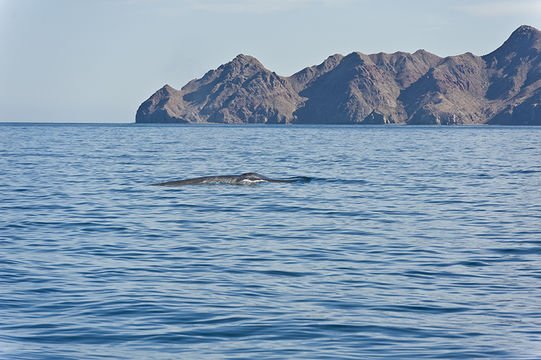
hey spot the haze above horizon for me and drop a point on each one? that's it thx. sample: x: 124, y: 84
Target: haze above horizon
x: 78, y: 61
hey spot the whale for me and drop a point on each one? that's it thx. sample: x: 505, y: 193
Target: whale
x: 242, y: 179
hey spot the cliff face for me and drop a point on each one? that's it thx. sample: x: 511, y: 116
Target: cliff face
x: 363, y: 89
x: 503, y: 87
x: 514, y: 71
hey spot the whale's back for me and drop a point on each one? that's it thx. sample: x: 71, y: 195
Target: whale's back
x: 243, y: 179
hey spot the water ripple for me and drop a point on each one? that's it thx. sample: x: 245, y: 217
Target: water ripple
x: 399, y: 243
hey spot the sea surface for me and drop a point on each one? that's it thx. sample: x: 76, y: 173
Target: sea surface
x: 407, y: 243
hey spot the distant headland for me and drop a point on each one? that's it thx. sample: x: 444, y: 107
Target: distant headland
x: 500, y: 88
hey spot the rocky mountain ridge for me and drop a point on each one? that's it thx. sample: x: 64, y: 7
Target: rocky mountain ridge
x: 502, y: 87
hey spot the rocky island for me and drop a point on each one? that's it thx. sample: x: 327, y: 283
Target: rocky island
x: 502, y: 87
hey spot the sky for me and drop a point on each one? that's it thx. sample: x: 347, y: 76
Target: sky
x: 98, y: 60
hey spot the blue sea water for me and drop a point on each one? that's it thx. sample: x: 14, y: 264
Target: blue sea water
x: 408, y: 243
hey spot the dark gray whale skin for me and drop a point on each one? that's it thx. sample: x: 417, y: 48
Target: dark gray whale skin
x: 243, y: 179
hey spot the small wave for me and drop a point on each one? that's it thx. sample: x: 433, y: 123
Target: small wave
x: 518, y: 251
x: 433, y: 309
x: 301, y: 179
x: 333, y: 180
x: 524, y: 171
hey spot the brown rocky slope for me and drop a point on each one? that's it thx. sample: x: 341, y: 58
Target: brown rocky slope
x: 503, y: 87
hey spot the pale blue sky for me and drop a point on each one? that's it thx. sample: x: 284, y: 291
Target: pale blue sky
x: 97, y: 60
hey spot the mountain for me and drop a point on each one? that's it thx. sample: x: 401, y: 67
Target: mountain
x: 503, y: 87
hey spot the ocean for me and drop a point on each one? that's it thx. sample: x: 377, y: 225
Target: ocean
x: 407, y: 243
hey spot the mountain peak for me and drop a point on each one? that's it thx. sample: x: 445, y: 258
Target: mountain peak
x: 525, y: 30
x: 357, y: 58
x: 523, y: 38
x: 168, y: 88
x: 242, y: 64
x: 525, y: 35
x: 246, y: 60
